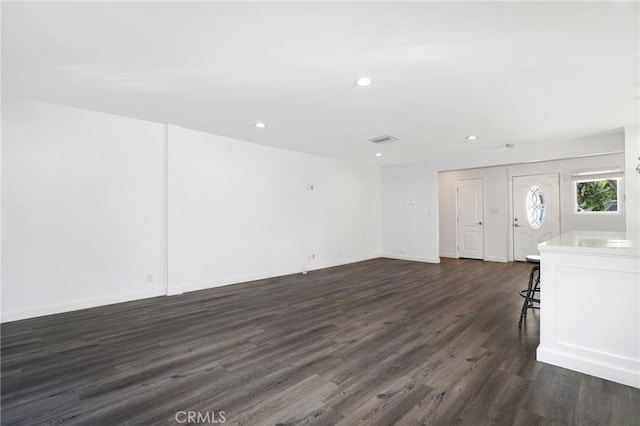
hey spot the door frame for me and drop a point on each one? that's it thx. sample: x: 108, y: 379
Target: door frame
x: 510, y: 233
x: 458, y: 217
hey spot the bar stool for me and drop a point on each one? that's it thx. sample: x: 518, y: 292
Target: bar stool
x: 534, y: 286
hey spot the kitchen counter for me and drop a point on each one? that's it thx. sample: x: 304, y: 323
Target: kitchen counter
x: 605, y: 243
x: 590, y: 304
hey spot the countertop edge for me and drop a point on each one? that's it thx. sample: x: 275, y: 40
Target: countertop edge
x: 601, y: 251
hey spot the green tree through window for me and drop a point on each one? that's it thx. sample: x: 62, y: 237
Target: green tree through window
x: 597, y: 196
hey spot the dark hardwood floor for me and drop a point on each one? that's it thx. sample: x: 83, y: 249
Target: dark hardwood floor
x: 380, y: 342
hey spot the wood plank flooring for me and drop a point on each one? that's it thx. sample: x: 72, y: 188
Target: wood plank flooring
x: 380, y: 342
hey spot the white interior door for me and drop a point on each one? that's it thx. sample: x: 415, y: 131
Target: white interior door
x: 470, y: 219
x: 536, y: 212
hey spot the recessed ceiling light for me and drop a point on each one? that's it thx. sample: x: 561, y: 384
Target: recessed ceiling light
x: 472, y: 137
x: 261, y: 125
x: 364, y: 81
x: 378, y: 154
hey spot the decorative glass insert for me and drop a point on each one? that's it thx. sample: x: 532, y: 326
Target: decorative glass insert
x: 597, y: 195
x: 535, y: 207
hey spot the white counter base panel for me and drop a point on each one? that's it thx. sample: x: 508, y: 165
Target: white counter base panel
x: 590, y: 306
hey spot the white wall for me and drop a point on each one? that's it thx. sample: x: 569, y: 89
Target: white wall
x: 92, y: 203
x: 632, y: 178
x: 495, y: 211
x: 418, y: 232
x: 497, y: 202
x: 87, y: 207
x: 82, y: 209
x: 247, y: 212
x: 569, y: 219
x: 409, y: 213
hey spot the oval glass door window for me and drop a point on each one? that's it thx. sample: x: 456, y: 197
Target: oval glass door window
x: 535, y: 207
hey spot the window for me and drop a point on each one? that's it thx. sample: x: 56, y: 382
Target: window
x: 535, y: 207
x: 597, y: 195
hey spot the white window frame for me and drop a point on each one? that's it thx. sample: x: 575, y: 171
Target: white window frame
x: 597, y: 179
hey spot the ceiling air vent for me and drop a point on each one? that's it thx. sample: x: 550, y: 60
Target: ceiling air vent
x: 381, y: 140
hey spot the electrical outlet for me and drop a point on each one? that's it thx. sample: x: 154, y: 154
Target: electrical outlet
x: 312, y: 257
x: 151, y: 279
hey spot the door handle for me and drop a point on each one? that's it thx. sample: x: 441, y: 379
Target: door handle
x: 479, y: 223
x: 516, y: 225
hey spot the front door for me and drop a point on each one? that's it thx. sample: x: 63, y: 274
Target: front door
x: 470, y: 219
x: 536, y: 212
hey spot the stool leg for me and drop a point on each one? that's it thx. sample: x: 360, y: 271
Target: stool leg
x: 537, y: 286
x: 527, y: 299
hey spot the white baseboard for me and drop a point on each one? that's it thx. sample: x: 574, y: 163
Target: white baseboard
x: 411, y: 258
x: 8, y: 316
x: 273, y: 274
x: 449, y: 255
x: 174, y: 290
x: 486, y: 259
x: 496, y: 259
x: 617, y: 369
x: 204, y: 285
x: 340, y: 262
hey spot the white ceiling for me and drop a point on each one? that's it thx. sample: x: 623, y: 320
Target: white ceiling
x: 509, y: 72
